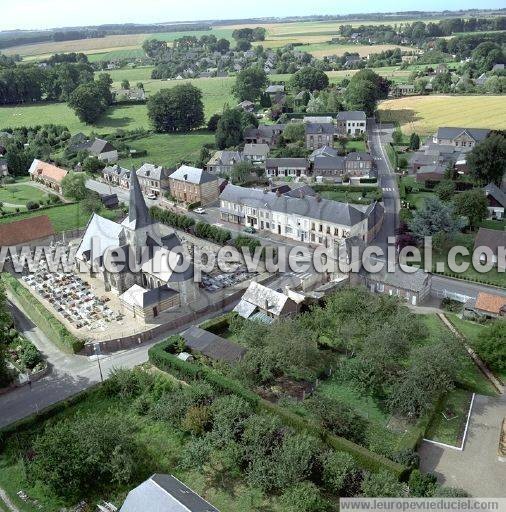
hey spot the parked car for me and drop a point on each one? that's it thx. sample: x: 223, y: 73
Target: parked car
x: 249, y: 229
x: 151, y: 196
x: 200, y: 211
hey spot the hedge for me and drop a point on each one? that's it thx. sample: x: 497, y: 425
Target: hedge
x: 346, y: 188
x: 183, y: 369
x: 170, y: 218
x: 39, y: 209
x: 216, y: 325
x: 43, y: 318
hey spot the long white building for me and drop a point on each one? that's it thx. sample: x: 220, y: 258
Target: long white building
x: 309, y: 219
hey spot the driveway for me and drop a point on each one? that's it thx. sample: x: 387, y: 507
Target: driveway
x: 475, y: 469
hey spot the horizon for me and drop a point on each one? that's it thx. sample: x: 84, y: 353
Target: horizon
x: 58, y: 14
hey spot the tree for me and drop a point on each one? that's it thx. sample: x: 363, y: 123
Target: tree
x: 229, y: 130
x: 397, y: 136
x: 340, y: 471
x: 316, y: 106
x: 414, y: 142
x: 92, y: 202
x: 249, y: 84
x: 5, y: 375
x: 179, y: 108
x: 265, y: 100
x: 434, y: 217
x: 243, y: 45
x: 212, y: 124
x: 361, y: 95
x: 445, y: 190
x: 422, y: 485
x: 88, y: 102
x: 383, y: 484
x: 241, y: 172
x: 303, y: 497
x: 294, y: 132
x: 309, y: 79
x: 74, y: 186
x: 487, y: 160
x: 125, y: 84
x: 471, y: 204
x: 491, y: 345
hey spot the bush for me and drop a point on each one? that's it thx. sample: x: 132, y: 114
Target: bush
x: 32, y: 205
x: 171, y: 219
x: 30, y: 356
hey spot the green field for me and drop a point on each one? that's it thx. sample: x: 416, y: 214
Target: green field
x: 63, y: 218
x: 168, y: 149
x: 450, y: 429
x: 18, y: 194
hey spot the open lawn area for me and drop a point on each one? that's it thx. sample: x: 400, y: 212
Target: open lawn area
x: 349, y: 196
x: 18, y: 194
x: 449, y: 421
x: 168, y: 149
x: 424, y: 114
x: 65, y: 217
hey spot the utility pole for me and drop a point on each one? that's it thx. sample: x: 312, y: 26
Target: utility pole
x: 96, y: 348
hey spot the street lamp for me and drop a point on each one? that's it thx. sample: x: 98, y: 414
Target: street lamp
x: 96, y: 348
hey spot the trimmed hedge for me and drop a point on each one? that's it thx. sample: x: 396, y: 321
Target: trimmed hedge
x: 175, y: 220
x: 216, y: 325
x: 367, y: 459
x: 48, y: 323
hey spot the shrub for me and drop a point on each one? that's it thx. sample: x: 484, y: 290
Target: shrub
x: 30, y: 356
x: 32, y: 205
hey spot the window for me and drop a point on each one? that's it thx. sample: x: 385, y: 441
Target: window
x: 380, y: 287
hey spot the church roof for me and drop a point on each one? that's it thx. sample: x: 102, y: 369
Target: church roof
x: 138, y: 213
x: 106, y: 233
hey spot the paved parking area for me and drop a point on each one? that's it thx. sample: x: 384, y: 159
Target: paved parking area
x: 476, y: 468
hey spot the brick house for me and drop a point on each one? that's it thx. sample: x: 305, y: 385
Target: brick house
x: 191, y: 185
x: 318, y: 135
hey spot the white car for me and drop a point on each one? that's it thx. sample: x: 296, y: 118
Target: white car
x: 200, y: 211
x: 151, y: 196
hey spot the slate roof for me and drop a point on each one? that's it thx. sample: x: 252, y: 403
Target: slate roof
x: 212, y: 346
x: 448, y: 132
x: 310, y: 207
x: 25, y: 230
x: 106, y: 231
x: 138, y: 213
x: 328, y: 163
x: 152, y: 171
x: 138, y: 296
x: 265, y: 131
x: 164, y: 493
x: 99, y: 146
x: 323, y: 151
x: 271, y: 163
x: 316, y: 128
x: 351, y: 115
x: 122, y: 172
x: 492, y: 238
x: 109, y: 200
x: 413, y: 281
x: 493, y: 190
x: 192, y: 175
x: 358, y: 156
x: 273, y: 89
x: 304, y: 190
x: 227, y: 158
x: 256, y: 149
x: 263, y: 298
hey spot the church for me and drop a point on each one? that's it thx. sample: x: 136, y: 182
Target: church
x: 148, y: 272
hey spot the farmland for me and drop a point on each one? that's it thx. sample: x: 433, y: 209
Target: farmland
x: 326, y: 49
x: 424, y: 114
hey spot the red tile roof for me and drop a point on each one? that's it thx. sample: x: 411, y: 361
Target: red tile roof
x: 490, y: 303
x: 26, y: 230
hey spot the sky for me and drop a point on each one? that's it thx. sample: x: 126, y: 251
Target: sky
x: 41, y: 14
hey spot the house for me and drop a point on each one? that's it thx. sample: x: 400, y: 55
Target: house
x: 463, y: 138
x: 482, y: 79
x: 153, y: 179
x: 359, y: 163
x: 495, y: 241
x: 441, y: 69
x: 403, y: 90
x: 48, y: 175
x: 264, y: 134
x: 247, y: 106
x: 286, y: 167
x: 429, y: 175
x: 497, y: 67
x: 117, y: 176
x: 4, y: 170
x: 323, y: 151
x: 318, y: 120
x: 351, y: 122
x: 273, y: 90
x: 99, y: 148
x: 329, y: 166
x: 408, y: 283
x: 310, y: 219
x: 318, y: 135
x: 192, y: 185
x: 300, y: 192
x: 164, y: 493
x: 496, y: 199
x: 146, y: 304
x: 485, y: 305
x: 265, y: 304
x: 134, y: 94
x: 212, y: 346
x: 222, y: 162
x: 25, y: 231
x: 110, y: 201
x: 256, y: 153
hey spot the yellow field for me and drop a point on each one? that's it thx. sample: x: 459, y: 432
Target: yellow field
x: 424, y: 114
x: 341, y: 49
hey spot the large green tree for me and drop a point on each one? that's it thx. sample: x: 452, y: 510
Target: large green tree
x: 88, y: 102
x: 487, y: 160
x: 471, y: 204
x: 250, y: 83
x: 309, y: 79
x: 74, y: 186
x: 491, y: 345
x: 178, y: 109
x: 364, y: 90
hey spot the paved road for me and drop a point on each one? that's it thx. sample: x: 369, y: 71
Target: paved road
x: 476, y: 468
x: 440, y: 284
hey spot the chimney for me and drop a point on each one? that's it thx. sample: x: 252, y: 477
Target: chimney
x: 278, y: 193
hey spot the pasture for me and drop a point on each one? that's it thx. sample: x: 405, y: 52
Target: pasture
x: 327, y: 49
x: 424, y: 114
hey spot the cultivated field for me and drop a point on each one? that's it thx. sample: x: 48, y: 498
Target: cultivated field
x: 424, y: 114
x: 326, y: 49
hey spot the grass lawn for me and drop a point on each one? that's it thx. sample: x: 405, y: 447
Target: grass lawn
x: 418, y: 198
x: 349, y: 196
x: 168, y: 149
x: 69, y: 216
x: 19, y: 194
x: 471, y: 377
x: 424, y: 114
x: 355, y: 145
x: 494, y: 224
x: 450, y: 430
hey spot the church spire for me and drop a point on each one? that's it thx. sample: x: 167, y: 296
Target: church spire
x: 138, y: 213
